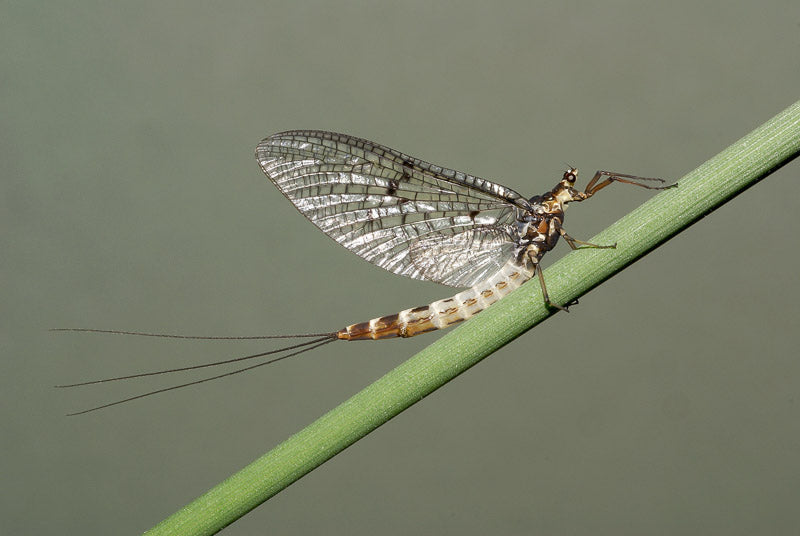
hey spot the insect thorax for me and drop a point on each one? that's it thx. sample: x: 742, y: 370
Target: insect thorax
x: 537, y: 230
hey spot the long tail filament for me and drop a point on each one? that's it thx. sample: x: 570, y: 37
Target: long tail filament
x: 318, y: 339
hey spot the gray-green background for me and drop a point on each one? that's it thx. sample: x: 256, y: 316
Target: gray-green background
x: 667, y: 402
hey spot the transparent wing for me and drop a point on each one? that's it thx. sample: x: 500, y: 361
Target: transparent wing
x: 462, y: 259
x: 383, y: 205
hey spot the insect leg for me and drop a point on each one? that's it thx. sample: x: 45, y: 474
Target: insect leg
x: 593, y: 187
x: 547, y: 300
x: 573, y: 241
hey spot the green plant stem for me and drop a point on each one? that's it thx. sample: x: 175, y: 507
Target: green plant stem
x: 744, y: 163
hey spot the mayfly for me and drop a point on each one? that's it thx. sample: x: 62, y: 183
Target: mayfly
x: 414, y: 219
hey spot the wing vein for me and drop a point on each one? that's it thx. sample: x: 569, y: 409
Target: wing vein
x: 403, y: 214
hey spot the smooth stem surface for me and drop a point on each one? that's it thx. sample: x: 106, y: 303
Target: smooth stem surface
x: 729, y: 173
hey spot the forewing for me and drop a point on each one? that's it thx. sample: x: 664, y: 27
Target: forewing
x: 382, y: 204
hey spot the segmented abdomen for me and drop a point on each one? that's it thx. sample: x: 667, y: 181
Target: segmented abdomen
x: 443, y: 313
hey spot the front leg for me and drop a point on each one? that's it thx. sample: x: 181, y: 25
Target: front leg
x: 594, y: 186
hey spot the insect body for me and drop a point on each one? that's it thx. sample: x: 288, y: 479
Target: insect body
x: 424, y: 221
x: 414, y: 219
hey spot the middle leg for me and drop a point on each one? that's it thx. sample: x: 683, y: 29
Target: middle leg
x: 574, y: 242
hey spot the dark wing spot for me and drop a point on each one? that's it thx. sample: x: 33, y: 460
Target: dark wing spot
x: 408, y: 167
x: 392, y: 188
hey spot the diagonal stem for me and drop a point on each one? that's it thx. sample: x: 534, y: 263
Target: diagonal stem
x: 718, y: 180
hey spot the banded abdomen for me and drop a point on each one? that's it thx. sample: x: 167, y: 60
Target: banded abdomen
x: 443, y: 313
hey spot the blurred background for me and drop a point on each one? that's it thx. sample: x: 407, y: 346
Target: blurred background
x: 665, y: 403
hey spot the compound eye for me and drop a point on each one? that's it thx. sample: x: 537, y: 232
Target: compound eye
x: 571, y: 175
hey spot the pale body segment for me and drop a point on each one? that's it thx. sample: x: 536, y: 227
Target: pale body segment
x: 443, y: 313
